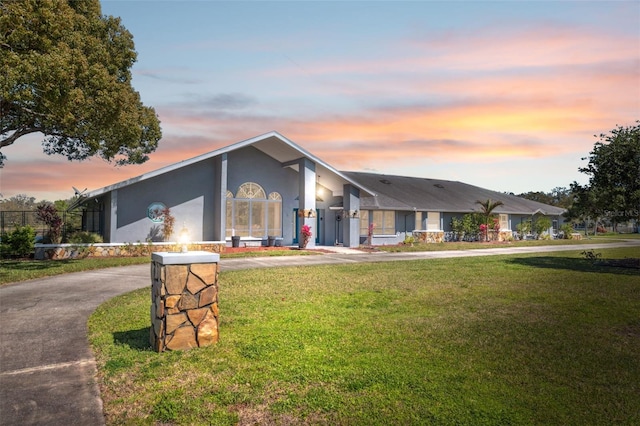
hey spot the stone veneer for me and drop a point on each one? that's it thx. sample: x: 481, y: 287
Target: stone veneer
x: 81, y: 251
x: 184, y: 300
x: 429, y: 236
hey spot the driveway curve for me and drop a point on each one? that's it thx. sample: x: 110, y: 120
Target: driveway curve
x: 47, y: 370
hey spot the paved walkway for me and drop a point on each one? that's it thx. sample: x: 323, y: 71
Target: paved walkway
x: 47, y: 371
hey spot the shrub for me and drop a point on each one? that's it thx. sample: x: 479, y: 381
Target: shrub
x: 566, y: 230
x: 523, y: 228
x: 84, y: 237
x: 20, y: 242
x: 47, y: 213
x: 468, y: 227
x: 167, y: 223
x: 542, y: 225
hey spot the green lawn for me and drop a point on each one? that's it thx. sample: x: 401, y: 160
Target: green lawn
x: 21, y: 270
x: 533, y: 339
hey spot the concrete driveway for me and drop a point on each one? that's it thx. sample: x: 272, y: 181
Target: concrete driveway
x: 47, y: 371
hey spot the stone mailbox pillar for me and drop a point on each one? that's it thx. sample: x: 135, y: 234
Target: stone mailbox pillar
x: 184, y: 300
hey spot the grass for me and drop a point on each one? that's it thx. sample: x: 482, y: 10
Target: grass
x: 531, y: 339
x: 27, y: 269
x: 22, y: 269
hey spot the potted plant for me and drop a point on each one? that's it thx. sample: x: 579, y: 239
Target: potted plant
x: 306, y: 236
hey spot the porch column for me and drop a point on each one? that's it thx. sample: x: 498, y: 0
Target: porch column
x: 307, y: 199
x: 351, y: 227
x: 220, y: 199
x: 113, y: 217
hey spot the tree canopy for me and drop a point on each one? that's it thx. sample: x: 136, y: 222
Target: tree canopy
x: 614, y: 177
x: 559, y: 197
x: 66, y: 74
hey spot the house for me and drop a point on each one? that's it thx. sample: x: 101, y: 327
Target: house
x: 268, y: 187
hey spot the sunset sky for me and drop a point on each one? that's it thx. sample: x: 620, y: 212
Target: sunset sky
x: 505, y: 95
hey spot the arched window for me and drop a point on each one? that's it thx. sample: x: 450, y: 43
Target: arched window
x: 274, y: 214
x: 252, y: 214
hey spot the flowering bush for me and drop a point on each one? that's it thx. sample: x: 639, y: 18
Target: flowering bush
x: 306, y: 231
x: 483, y: 232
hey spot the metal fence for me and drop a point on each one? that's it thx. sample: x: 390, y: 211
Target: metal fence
x: 10, y: 220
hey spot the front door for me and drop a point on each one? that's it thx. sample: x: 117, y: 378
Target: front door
x: 297, y: 225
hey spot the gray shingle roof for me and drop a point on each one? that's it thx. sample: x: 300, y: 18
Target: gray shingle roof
x: 422, y: 194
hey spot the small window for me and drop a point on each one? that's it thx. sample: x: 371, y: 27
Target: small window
x: 251, y: 190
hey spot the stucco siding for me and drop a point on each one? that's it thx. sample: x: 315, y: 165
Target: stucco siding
x: 188, y: 192
x: 252, y: 165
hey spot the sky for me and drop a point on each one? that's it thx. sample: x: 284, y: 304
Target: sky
x: 505, y: 95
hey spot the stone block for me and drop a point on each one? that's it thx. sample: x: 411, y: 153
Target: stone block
x: 172, y: 301
x: 197, y: 315
x: 184, y: 304
x: 175, y: 278
x: 194, y: 283
x: 188, y: 301
x: 208, y: 296
x: 208, y: 331
x: 183, y: 338
x: 174, y: 321
x: 205, y: 271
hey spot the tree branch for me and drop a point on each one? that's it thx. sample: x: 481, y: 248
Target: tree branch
x: 17, y: 134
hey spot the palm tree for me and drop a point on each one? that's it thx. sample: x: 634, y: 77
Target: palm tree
x: 487, y: 208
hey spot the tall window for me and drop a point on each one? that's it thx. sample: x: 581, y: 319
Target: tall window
x: 385, y: 222
x: 433, y: 221
x: 364, y: 222
x: 274, y: 214
x: 504, y: 222
x: 252, y: 214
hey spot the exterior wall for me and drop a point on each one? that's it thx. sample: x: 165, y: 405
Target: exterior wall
x: 187, y: 192
x: 446, y: 220
x: 194, y: 195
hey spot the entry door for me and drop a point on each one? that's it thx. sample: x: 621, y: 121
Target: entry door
x: 316, y: 231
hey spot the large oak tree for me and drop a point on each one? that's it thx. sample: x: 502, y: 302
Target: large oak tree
x: 65, y: 73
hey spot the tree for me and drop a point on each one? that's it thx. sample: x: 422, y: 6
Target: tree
x: 559, y: 197
x: 538, y: 196
x: 488, y: 207
x: 614, y: 174
x: 66, y: 73
x: 18, y: 202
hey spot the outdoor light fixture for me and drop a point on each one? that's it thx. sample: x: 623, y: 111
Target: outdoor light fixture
x: 319, y: 190
x: 183, y: 239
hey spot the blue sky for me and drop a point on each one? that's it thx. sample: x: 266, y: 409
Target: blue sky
x: 506, y: 95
